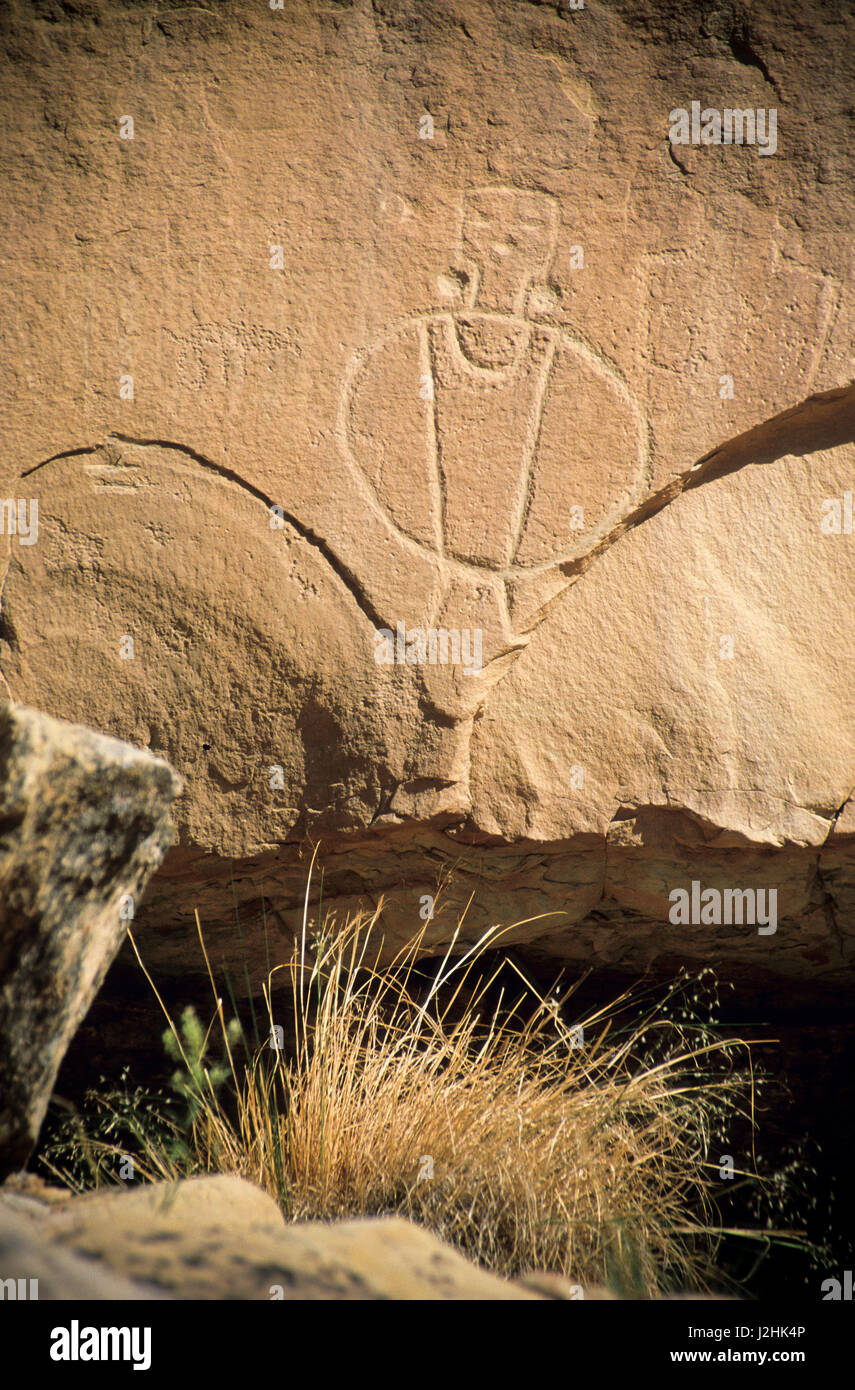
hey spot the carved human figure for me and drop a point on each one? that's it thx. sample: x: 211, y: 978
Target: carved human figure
x: 495, y: 443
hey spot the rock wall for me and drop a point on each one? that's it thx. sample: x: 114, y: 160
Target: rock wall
x: 407, y: 317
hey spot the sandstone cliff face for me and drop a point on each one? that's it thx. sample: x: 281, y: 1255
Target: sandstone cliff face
x: 408, y: 318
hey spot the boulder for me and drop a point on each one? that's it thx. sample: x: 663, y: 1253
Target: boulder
x: 84, y: 821
x: 32, y: 1268
x: 223, y: 1238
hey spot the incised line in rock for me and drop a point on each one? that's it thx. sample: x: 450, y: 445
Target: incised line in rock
x: 823, y: 421
x: 347, y: 578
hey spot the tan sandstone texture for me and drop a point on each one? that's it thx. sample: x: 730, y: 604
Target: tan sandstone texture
x: 400, y: 315
x: 222, y: 1238
x: 83, y: 823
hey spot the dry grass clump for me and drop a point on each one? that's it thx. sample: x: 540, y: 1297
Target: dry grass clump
x: 527, y: 1144
x: 525, y: 1141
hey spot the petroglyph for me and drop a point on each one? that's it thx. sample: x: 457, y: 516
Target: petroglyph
x: 497, y: 444
x: 229, y: 355
x: 506, y: 452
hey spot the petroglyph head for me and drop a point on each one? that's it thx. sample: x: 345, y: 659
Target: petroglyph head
x: 509, y: 236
